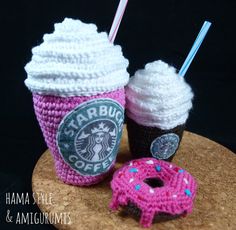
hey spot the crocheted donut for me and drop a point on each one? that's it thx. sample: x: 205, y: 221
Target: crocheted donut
x: 155, y: 187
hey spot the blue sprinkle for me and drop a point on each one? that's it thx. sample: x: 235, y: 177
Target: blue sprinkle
x: 181, y: 171
x: 137, y: 186
x: 187, y: 192
x: 158, y: 168
x: 133, y: 170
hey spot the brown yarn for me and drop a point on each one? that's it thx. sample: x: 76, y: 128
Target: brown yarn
x: 135, y: 212
x: 141, y: 138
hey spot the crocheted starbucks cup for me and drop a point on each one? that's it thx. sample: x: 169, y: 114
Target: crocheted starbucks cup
x: 158, y: 104
x: 153, y: 190
x: 77, y: 78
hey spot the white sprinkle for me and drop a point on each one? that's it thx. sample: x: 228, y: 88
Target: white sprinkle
x: 174, y: 196
x: 151, y: 190
x: 171, y: 166
x: 150, y: 162
x: 131, y: 180
x: 130, y: 164
x: 186, y: 181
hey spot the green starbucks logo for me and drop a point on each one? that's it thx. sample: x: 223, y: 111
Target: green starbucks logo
x: 88, y: 137
x: 95, y: 142
x: 164, y: 146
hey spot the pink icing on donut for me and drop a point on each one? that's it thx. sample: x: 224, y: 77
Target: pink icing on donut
x: 174, y: 197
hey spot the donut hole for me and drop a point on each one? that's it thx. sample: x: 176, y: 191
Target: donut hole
x: 154, y: 182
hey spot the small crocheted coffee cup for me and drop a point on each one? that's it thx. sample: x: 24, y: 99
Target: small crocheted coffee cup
x: 153, y: 190
x: 158, y: 104
x: 77, y: 78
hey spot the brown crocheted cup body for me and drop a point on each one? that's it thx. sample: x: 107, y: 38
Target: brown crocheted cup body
x: 153, y: 142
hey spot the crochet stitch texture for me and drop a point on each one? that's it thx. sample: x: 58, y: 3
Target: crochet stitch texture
x: 141, y: 138
x: 158, y: 97
x: 76, y: 60
x: 175, y: 197
x: 50, y: 110
x: 74, y: 64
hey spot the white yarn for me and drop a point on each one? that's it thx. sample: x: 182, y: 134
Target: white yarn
x: 158, y: 97
x: 76, y: 60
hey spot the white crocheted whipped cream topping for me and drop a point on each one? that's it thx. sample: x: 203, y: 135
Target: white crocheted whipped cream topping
x: 158, y: 97
x: 76, y: 60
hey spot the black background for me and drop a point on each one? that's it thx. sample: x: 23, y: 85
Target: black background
x: 150, y: 30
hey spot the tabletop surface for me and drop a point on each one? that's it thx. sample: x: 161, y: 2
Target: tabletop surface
x: 211, y: 164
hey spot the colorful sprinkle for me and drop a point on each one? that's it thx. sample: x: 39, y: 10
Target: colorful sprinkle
x: 150, y: 162
x: 181, y: 171
x: 186, y: 181
x: 151, y: 190
x: 136, y: 162
x: 171, y: 166
x: 187, y: 192
x: 130, y: 164
x: 133, y: 170
x: 131, y: 180
x: 120, y: 174
x: 158, y: 168
x: 137, y: 187
x: 141, y: 198
x: 174, y: 196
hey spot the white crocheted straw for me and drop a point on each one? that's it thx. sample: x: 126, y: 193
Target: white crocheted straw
x: 158, y: 97
x: 76, y: 60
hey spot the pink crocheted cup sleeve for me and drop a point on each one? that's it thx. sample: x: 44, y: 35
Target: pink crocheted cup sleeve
x: 83, y: 133
x: 154, y: 187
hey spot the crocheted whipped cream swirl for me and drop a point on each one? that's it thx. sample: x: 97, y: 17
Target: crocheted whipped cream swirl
x: 158, y: 97
x: 76, y: 60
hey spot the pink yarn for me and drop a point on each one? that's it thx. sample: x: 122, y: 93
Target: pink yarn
x: 174, y: 198
x: 50, y: 110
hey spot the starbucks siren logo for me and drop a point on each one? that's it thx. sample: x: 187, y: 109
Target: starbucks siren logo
x: 88, y: 137
x: 97, y: 143
x: 164, y: 146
